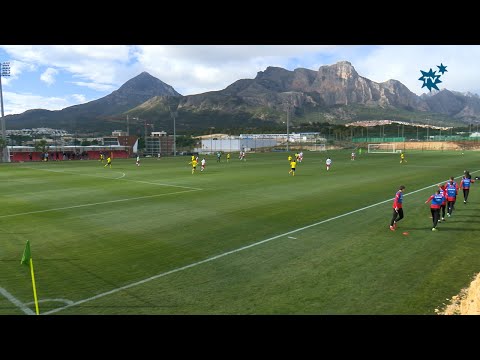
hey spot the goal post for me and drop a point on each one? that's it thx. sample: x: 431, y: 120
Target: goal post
x: 382, y: 149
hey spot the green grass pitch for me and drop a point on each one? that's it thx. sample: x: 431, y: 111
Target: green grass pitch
x: 240, y: 238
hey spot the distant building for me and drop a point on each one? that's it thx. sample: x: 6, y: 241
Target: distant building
x: 130, y: 141
x: 119, y: 133
x: 158, y: 133
x: 120, y: 138
x: 234, y: 145
x: 110, y: 141
x: 159, y: 143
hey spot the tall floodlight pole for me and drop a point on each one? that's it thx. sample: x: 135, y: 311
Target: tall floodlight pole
x: 4, y: 71
x: 428, y: 126
x: 288, y: 120
x: 145, y: 130
x: 211, y: 138
x: 173, y: 114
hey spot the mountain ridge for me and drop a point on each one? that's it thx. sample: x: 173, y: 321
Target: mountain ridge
x: 334, y: 93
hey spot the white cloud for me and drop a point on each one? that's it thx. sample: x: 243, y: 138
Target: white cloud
x: 48, y: 76
x: 95, y: 86
x: 79, y: 98
x: 96, y: 63
x: 193, y: 69
x: 18, y: 103
x: 404, y: 63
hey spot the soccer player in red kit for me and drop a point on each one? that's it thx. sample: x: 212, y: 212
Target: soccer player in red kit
x: 443, y: 206
x: 452, y: 191
x: 397, y: 208
x: 436, y: 202
x: 465, y: 185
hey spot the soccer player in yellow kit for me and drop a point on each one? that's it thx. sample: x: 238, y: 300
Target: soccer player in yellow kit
x: 289, y: 159
x: 194, y: 163
x: 228, y: 157
x: 293, y: 165
x: 109, y: 162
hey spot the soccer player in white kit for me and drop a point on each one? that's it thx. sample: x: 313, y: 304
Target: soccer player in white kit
x: 328, y: 162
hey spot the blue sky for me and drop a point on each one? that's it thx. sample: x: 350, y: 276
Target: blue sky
x: 57, y: 76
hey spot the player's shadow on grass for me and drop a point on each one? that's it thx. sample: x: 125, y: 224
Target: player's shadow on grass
x: 459, y: 221
x: 440, y: 228
x: 443, y: 228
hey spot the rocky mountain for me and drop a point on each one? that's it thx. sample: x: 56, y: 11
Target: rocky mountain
x: 131, y: 94
x: 334, y: 93
x: 465, y: 107
x: 332, y: 85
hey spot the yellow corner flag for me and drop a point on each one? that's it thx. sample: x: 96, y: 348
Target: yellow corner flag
x: 26, y: 254
x: 27, y: 260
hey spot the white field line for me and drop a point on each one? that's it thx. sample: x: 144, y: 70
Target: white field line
x: 66, y: 301
x: 74, y: 173
x: 119, y: 178
x: 16, y: 302
x: 226, y: 254
x: 94, y: 204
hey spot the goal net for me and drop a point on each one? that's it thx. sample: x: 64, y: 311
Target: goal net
x: 319, y: 147
x: 382, y: 149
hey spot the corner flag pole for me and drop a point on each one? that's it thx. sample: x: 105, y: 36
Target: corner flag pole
x: 34, y: 288
x: 27, y: 260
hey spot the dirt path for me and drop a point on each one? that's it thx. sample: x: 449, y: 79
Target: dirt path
x: 465, y: 303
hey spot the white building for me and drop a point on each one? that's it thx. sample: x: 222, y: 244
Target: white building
x: 233, y: 145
